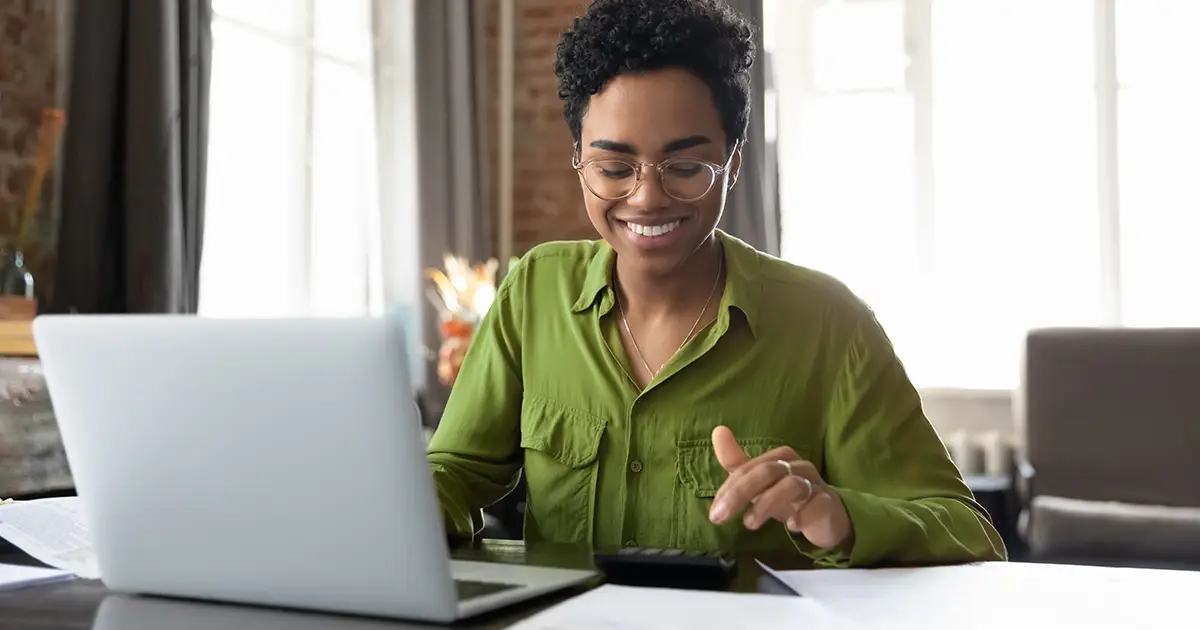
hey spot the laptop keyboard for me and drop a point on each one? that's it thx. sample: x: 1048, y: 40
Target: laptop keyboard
x: 470, y: 589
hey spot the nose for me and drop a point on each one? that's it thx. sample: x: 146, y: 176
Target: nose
x: 649, y: 194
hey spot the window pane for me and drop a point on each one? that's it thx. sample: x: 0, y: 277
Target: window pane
x: 1016, y: 242
x: 285, y: 17
x: 342, y: 171
x: 858, y: 45
x: 1159, y: 157
x: 1157, y: 43
x: 848, y: 197
x: 254, y: 217
x: 343, y: 28
x: 1017, y: 43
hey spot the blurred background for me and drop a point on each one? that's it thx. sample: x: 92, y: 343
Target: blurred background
x: 1011, y: 184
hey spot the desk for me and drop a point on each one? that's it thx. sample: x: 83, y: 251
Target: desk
x: 74, y: 604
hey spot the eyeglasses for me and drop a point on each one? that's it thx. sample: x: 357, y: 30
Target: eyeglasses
x: 683, y: 179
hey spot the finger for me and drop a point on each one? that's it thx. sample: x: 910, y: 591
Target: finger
x: 813, y: 517
x: 786, y: 453
x: 729, y: 454
x: 771, y: 458
x: 780, y: 502
x: 740, y: 489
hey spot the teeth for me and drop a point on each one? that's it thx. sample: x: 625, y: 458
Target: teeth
x: 652, y: 230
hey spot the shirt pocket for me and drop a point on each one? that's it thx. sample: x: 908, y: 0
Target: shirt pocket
x: 561, y: 445
x: 698, y: 477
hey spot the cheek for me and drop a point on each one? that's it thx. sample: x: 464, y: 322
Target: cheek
x: 597, y: 209
x: 710, y: 207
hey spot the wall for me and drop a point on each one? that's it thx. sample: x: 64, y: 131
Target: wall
x: 30, y: 81
x: 546, y: 197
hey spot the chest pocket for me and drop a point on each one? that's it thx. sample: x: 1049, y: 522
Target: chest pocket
x: 698, y: 477
x: 561, y: 446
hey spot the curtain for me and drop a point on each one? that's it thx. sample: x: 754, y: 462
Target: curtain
x: 752, y: 208
x: 134, y: 158
x: 453, y: 216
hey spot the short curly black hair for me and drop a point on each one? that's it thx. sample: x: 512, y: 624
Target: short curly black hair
x: 705, y: 37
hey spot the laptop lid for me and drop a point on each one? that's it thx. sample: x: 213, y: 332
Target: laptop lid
x: 262, y: 461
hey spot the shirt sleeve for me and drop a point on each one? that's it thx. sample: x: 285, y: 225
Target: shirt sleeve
x: 475, y: 452
x: 906, y: 498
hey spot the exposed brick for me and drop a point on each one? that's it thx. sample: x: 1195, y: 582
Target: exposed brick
x: 28, y: 85
x: 547, y: 203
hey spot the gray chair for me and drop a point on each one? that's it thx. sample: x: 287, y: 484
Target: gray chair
x: 1111, y: 427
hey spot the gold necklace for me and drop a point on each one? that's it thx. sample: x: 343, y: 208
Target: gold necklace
x: 653, y: 373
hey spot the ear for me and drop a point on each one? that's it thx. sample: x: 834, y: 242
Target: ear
x: 735, y: 165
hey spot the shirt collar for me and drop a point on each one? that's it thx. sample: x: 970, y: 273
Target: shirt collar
x: 743, y: 279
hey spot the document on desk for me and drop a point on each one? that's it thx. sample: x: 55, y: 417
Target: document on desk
x: 611, y: 607
x: 53, y: 532
x: 1000, y: 595
x: 13, y: 576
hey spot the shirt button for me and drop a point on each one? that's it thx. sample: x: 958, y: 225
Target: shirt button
x: 635, y: 466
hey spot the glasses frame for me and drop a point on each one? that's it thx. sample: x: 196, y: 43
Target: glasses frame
x: 640, y: 169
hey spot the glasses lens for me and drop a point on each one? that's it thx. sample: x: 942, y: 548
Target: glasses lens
x: 610, y: 179
x: 687, y: 180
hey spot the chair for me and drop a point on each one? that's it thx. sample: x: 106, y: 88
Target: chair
x: 1111, y: 427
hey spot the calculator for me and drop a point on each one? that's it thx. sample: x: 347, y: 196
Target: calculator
x: 670, y: 568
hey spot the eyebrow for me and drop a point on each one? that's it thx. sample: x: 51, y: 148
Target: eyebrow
x: 672, y: 146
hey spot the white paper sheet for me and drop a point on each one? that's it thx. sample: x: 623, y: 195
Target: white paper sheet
x: 14, y: 576
x: 52, y: 531
x: 611, y: 607
x: 1003, y: 595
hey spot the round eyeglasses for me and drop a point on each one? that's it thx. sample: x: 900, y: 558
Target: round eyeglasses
x: 683, y: 179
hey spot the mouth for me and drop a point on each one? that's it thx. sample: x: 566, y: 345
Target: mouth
x: 649, y: 234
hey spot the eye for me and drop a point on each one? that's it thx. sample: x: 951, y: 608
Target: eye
x: 685, y: 168
x: 614, y: 170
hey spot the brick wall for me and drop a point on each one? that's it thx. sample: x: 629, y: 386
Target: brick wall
x: 546, y: 199
x: 29, y: 83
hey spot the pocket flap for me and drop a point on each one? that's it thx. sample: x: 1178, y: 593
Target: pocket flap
x: 699, y: 469
x: 570, y: 436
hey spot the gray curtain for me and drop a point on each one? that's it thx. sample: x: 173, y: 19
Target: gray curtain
x: 134, y: 154
x: 752, y: 209
x: 454, y: 214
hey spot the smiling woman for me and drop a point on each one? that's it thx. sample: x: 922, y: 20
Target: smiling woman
x: 669, y: 385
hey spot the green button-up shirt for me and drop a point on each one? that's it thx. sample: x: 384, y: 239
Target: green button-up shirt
x: 794, y: 358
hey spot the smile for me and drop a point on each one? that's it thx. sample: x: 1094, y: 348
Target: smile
x: 653, y: 230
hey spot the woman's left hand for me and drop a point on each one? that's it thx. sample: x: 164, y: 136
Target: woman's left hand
x: 792, y: 493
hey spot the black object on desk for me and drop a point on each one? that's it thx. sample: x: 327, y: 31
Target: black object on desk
x: 675, y: 568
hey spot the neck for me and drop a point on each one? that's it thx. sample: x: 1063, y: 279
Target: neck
x: 685, y: 289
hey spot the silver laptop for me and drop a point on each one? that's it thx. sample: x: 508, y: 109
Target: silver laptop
x: 276, y: 462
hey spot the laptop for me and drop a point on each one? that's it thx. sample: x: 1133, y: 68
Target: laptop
x: 273, y: 462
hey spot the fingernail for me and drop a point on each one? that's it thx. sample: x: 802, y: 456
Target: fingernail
x: 792, y: 525
x: 751, y: 521
x: 718, y: 512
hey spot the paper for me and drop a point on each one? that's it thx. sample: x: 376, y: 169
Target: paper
x: 999, y: 595
x: 14, y: 576
x: 612, y: 607
x: 53, y: 532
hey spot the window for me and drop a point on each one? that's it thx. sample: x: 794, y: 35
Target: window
x: 976, y: 168
x: 292, y: 197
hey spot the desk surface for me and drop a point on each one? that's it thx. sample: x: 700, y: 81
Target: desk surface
x: 75, y: 604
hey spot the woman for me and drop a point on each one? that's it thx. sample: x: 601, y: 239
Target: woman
x: 669, y: 386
